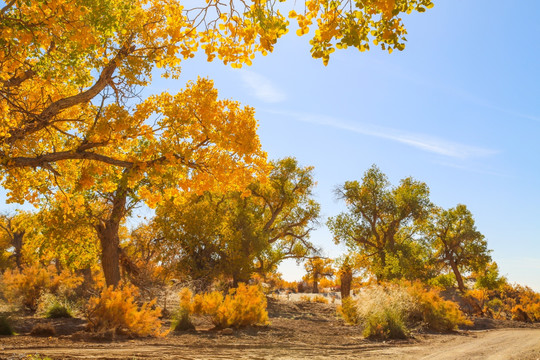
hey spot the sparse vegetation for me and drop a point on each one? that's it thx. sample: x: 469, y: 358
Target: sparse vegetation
x: 51, y: 306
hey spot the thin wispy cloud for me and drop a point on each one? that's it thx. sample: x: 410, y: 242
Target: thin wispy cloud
x: 419, y: 141
x: 453, y: 91
x: 262, y: 87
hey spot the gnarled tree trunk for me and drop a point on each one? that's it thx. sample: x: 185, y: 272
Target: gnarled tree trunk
x: 459, y: 278
x: 346, y: 281
x: 107, y: 231
x: 110, y: 252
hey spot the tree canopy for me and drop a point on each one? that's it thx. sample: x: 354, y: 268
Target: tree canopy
x: 456, y: 242
x: 235, y: 233
x: 73, y: 119
x: 382, y: 222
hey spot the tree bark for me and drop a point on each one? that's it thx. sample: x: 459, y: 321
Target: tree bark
x: 315, y: 289
x: 346, y: 281
x: 107, y: 231
x: 17, y: 242
x: 110, y: 252
x: 459, y: 279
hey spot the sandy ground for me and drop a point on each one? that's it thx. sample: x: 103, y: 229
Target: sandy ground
x: 297, y: 331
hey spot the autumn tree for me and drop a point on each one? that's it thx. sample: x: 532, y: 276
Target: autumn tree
x: 69, y: 68
x: 71, y: 72
x: 382, y: 223
x: 346, y: 268
x: 238, y: 233
x: 318, y: 268
x: 456, y: 242
x: 12, y: 231
x: 143, y: 258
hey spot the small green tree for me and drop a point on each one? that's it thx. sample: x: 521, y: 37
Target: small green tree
x: 382, y: 224
x: 456, y: 242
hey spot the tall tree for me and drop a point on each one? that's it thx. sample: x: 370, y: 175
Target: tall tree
x: 381, y: 223
x: 238, y: 233
x: 458, y: 245
x: 197, y: 143
x: 71, y: 70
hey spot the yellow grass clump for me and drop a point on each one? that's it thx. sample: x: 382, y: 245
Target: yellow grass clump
x: 115, y: 309
x: 243, y: 306
x: 388, y: 310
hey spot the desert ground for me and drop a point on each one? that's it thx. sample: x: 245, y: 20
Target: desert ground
x: 297, y: 330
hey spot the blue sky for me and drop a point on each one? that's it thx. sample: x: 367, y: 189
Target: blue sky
x: 459, y: 109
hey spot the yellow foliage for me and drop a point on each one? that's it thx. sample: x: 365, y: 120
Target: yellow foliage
x: 116, y: 309
x: 26, y: 286
x: 437, y: 313
x: 394, y: 305
x: 347, y: 311
x: 514, y: 302
x: 316, y: 299
x: 243, y: 306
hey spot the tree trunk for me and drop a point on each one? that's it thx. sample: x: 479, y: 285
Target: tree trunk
x: 459, y: 279
x: 107, y: 231
x: 315, y: 289
x: 110, y: 252
x: 88, y: 280
x: 346, y: 281
x: 17, y: 242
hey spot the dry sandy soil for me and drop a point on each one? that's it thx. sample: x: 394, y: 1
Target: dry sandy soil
x: 297, y: 331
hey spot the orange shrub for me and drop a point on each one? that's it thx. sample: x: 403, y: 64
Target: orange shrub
x: 117, y: 310
x: 478, y: 300
x: 438, y: 314
x: 243, y: 306
x: 386, y: 310
x: 316, y: 299
x: 26, y: 286
x: 514, y: 302
x: 348, y: 312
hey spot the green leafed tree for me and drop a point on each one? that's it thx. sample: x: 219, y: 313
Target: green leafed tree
x: 235, y: 234
x: 382, y: 224
x: 456, y: 242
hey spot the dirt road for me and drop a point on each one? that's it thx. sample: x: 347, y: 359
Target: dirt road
x: 523, y: 344
x: 501, y: 344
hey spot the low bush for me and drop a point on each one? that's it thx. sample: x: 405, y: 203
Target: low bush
x: 385, y: 324
x: 5, y: 326
x: 386, y: 311
x: 347, y: 311
x: 382, y: 311
x: 243, y: 306
x: 25, y: 287
x: 116, y: 310
x: 316, y: 299
x: 43, y: 330
x: 514, y: 302
x: 435, y: 312
x: 181, y: 320
x: 51, y: 306
x: 319, y: 299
